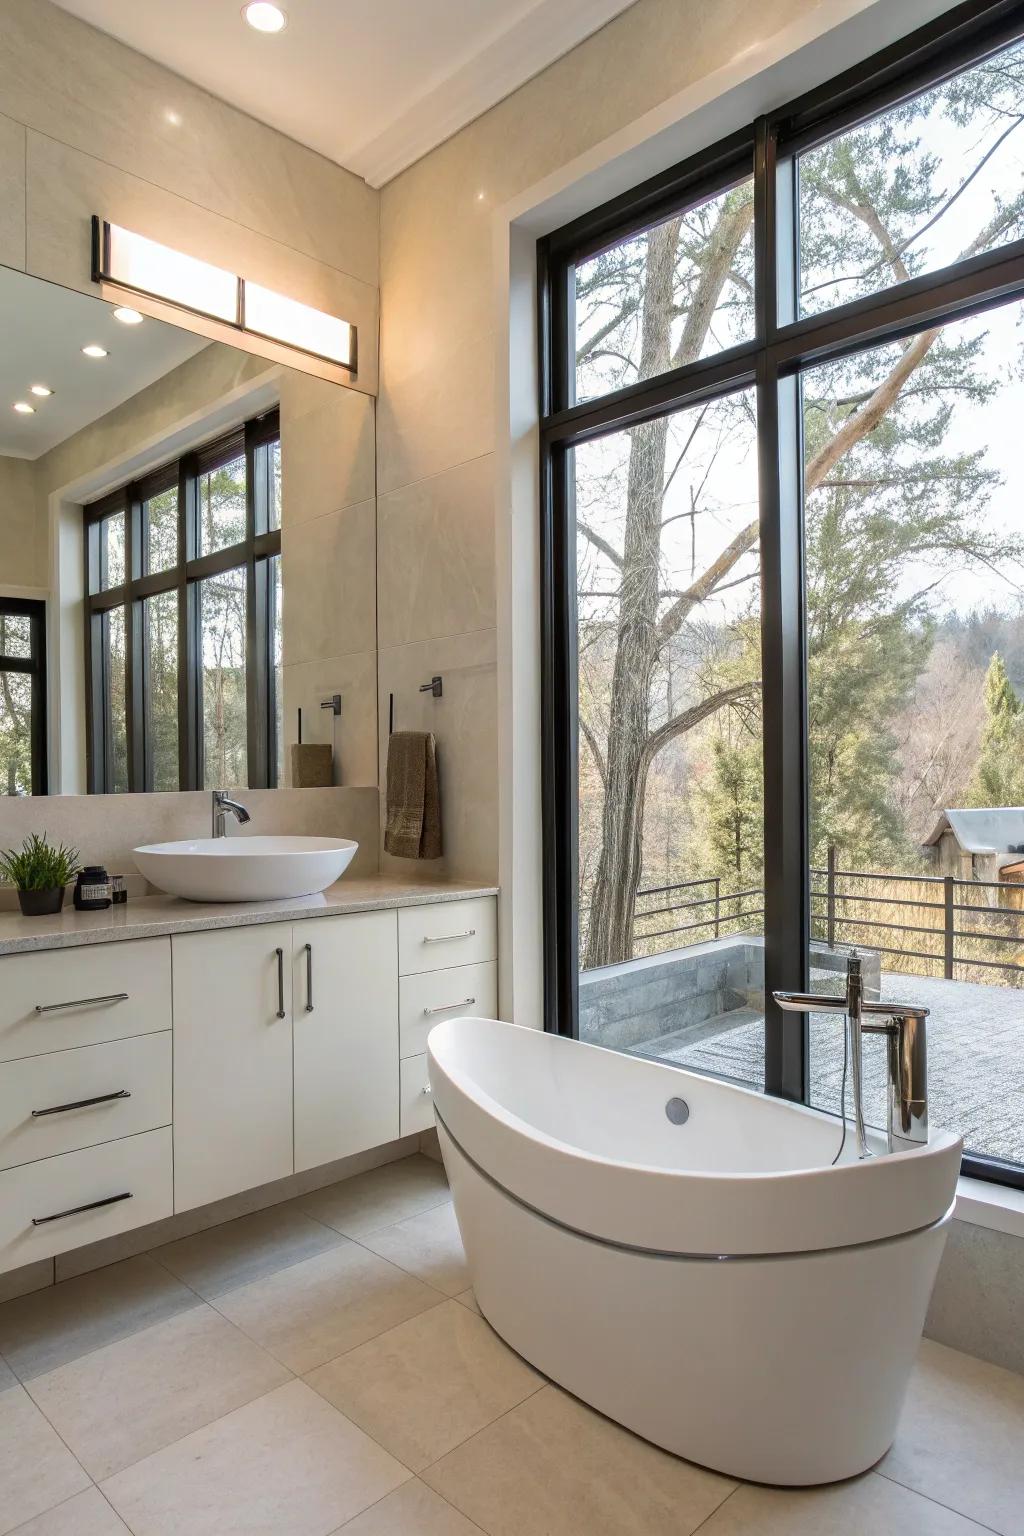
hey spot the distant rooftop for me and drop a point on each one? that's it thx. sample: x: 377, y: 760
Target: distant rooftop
x: 995, y: 829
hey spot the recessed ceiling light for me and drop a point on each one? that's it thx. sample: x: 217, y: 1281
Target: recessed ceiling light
x: 127, y: 316
x: 92, y: 350
x: 42, y: 390
x: 265, y: 17
x: 23, y: 407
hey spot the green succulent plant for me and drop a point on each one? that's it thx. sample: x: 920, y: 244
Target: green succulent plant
x: 38, y: 865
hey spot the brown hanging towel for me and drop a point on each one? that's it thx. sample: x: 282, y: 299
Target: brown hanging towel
x: 413, y: 828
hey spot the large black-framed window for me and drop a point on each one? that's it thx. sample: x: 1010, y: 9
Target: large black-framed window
x: 22, y: 696
x: 183, y: 621
x: 766, y: 359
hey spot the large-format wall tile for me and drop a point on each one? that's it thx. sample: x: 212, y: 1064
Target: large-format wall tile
x: 74, y: 83
x: 464, y: 722
x: 66, y: 187
x: 328, y: 568
x: 978, y: 1301
x: 327, y: 454
x: 18, y: 542
x: 435, y: 556
x: 12, y: 193
x: 354, y: 731
x: 435, y: 415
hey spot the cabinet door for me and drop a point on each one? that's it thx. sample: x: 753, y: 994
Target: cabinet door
x: 346, y: 1035
x: 232, y: 1061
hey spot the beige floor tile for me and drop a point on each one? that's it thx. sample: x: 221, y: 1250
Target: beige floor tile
x: 37, y: 1470
x: 553, y: 1467
x: 7, y: 1377
x: 40, y: 1332
x: 131, y: 1398
x: 286, y: 1465
x: 428, y: 1245
x: 427, y: 1385
x: 381, y: 1197
x: 468, y: 1299
x: 310, y: 1312
x: 961, y: 1438
x: 868, y: 1503
x: 87, y: 1514
x: 246, y: 1249
x: 412, y: 1510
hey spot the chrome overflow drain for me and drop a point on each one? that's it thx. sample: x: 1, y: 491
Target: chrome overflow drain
x: 678, y: 1111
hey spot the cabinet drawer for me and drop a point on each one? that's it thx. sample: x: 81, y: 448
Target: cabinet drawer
x: 62, y: 998
x: 448, y: 933
x: 417, y: 1106
x: 425, y: 1000
x: 138, y: 1070
x: 139, y: 1166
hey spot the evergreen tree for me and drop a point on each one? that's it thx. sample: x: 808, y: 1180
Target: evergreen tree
x: 999, y: 776
x: 733, y: 812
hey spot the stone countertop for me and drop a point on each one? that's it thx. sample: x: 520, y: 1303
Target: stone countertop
x: 148, y: 917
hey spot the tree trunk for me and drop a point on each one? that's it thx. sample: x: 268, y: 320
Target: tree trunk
x: 640, y: 638
x: 610, y: 931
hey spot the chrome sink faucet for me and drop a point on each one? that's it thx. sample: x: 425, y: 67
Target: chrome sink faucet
x: 904, y: 1029
x: 222, y: 803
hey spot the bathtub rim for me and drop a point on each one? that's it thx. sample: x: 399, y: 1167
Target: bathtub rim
x: 701, y: 1212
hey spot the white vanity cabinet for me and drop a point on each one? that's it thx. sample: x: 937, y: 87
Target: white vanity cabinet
x: 345, y: 1035
x: 145, y: 1076
x: 232, y: 1060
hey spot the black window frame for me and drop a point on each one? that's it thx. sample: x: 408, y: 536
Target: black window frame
x: 254, y: 439
x: 34, y: 665
x: 770, y: 363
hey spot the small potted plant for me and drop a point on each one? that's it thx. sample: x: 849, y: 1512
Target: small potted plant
x: 40, y: 872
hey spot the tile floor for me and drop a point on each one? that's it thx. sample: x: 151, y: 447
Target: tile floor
x: 320, y: 1367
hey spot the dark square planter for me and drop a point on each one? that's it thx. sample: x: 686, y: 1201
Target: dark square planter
x: 41, y: 903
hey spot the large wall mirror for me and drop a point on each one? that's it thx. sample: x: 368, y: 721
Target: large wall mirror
x: 152, y: 637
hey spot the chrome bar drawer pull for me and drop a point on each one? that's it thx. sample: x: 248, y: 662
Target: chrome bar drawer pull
x: 83, y: 1002
x: 443, y: 938
x: 101, y: 1098
x: 76, y: 1210
x: 309, y: 978
x: 280, y: 982
x: 447, y: 1007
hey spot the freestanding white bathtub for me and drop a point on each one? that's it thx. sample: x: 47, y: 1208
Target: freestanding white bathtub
x: 714, y: 1285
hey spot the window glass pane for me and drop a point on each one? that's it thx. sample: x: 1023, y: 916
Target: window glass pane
x: 667, y: 296
x: 160, y: 522
x: 222, y: 638
x: 160, y: 630
x: 274, y: 619
x: 274, y: 506
x: 670, y: 792
x: 222, y: 506
x: 112, y: 551
x: 15, y: 732
x: 933, y: 181
x: 116, y: 721
x: 914, y: 510
x: 15, y: 635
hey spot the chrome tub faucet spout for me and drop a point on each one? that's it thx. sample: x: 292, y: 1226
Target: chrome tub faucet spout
x: 222, y: 803
x: 906, y: 1056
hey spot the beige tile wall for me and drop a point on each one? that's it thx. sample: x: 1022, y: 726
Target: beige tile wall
x: 22, y: 542
x: 435, y: 410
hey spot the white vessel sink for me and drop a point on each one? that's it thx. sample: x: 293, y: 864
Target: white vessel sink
x: 245, y: 868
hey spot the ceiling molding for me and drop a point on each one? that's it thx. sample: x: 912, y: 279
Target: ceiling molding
x: 547, y: 32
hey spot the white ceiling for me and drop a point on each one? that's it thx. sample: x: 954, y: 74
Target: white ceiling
x: 44, y: 329
x: 372, y: 84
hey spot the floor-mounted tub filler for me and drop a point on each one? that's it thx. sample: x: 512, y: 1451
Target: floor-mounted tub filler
x: 679, y: 1253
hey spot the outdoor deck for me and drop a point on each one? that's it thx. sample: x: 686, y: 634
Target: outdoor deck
x: 975, y: 1057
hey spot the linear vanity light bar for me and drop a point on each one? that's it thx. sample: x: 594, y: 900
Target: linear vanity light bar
x: 134, y: 262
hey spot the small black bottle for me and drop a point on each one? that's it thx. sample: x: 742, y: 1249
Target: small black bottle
x: 92, y: 888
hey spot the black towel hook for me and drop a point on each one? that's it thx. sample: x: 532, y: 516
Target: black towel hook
x: 435, y: 687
